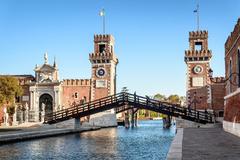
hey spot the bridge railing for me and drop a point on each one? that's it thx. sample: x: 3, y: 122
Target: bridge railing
x: 169, y: 107
x: 136, y: 101
x: 72, y: 111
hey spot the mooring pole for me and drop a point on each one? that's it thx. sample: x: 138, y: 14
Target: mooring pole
x: 132, y: 117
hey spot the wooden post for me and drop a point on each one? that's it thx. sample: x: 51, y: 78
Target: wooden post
x: 126, y: 120
x: 132, y: 118
x: 136, y: 116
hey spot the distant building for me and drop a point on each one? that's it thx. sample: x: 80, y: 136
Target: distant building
x: 231, y: 121
x: 203, y: 91
x: 46, y: 91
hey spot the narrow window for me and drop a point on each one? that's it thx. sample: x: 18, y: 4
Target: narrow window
x: 198, y: 46
x: 76, y: 95
x: 101, y: 48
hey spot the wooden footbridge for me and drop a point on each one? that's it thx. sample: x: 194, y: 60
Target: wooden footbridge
x: 124, y: 101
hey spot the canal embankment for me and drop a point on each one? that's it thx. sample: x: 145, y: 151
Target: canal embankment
x: 8, y: 135
x: 175, y: 150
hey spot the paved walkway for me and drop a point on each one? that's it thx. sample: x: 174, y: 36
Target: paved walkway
x: 209, y: 144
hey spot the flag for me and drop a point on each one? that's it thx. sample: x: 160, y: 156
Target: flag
x: 102, y: 13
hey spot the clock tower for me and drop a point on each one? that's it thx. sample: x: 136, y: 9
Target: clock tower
x: 104, y: 63
x: 197, y: 59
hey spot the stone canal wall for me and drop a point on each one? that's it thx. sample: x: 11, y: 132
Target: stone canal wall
x: 40, y: 133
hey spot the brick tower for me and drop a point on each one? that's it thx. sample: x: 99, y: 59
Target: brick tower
x: 104, y: 63
x: 198, y: 59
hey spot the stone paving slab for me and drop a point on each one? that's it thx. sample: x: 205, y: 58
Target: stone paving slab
x: 210, y: 144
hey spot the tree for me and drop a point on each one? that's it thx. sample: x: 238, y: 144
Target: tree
x: 174, y: 98
x: 9, y: 90
x: 125, y: 89
x: 160, y: 97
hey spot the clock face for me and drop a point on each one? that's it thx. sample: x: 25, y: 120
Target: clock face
x: 101, y: 72
x: 198, y: 69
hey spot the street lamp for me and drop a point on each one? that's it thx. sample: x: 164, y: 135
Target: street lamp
x: 229, y: 78
x: 210, y: 73
x: 195, y: 101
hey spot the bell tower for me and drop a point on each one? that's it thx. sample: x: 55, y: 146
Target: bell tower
x: 197, y: 59
x: 104, y: 63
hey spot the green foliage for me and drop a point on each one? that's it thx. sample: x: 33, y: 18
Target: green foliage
x: 160, y: 97
x: 174, y: 99
x: 171, y: 99
x: 124, y: 89
x: 9, y: 89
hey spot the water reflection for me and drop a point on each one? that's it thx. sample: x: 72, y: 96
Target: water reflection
x: 148, y: 141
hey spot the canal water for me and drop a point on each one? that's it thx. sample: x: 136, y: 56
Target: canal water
x: 147, y: 141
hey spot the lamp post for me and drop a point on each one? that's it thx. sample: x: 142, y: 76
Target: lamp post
x: 195, y: 101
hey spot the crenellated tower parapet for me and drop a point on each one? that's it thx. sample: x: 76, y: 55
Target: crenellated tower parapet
x: 198, y: 47
x: 198, y: 34
x: 76, y: 82
x: 103, y: 49
x: 218, y: 80
x: 198, y: 55
x: 232, y: 37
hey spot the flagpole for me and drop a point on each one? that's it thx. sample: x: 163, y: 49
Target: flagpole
x: 104, y: 24
x: 198, y: 16
x: 102, y: 14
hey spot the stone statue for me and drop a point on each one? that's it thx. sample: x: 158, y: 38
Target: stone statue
x: 15, y: 116
x: 5, y: 116
x: 46, y: 58
x: 26, y: 106
x: 43, y: 112
x: 43, y: 107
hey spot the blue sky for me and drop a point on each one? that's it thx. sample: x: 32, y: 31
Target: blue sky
x: 150, y: 35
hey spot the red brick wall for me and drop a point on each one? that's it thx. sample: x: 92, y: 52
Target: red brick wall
x: 232, y: 109
x: 68, y: 97
x: 231, y: 52
x: 232, y: 104
x: 101, y: 92
x: 201, y: 103
x: 218, y: 93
